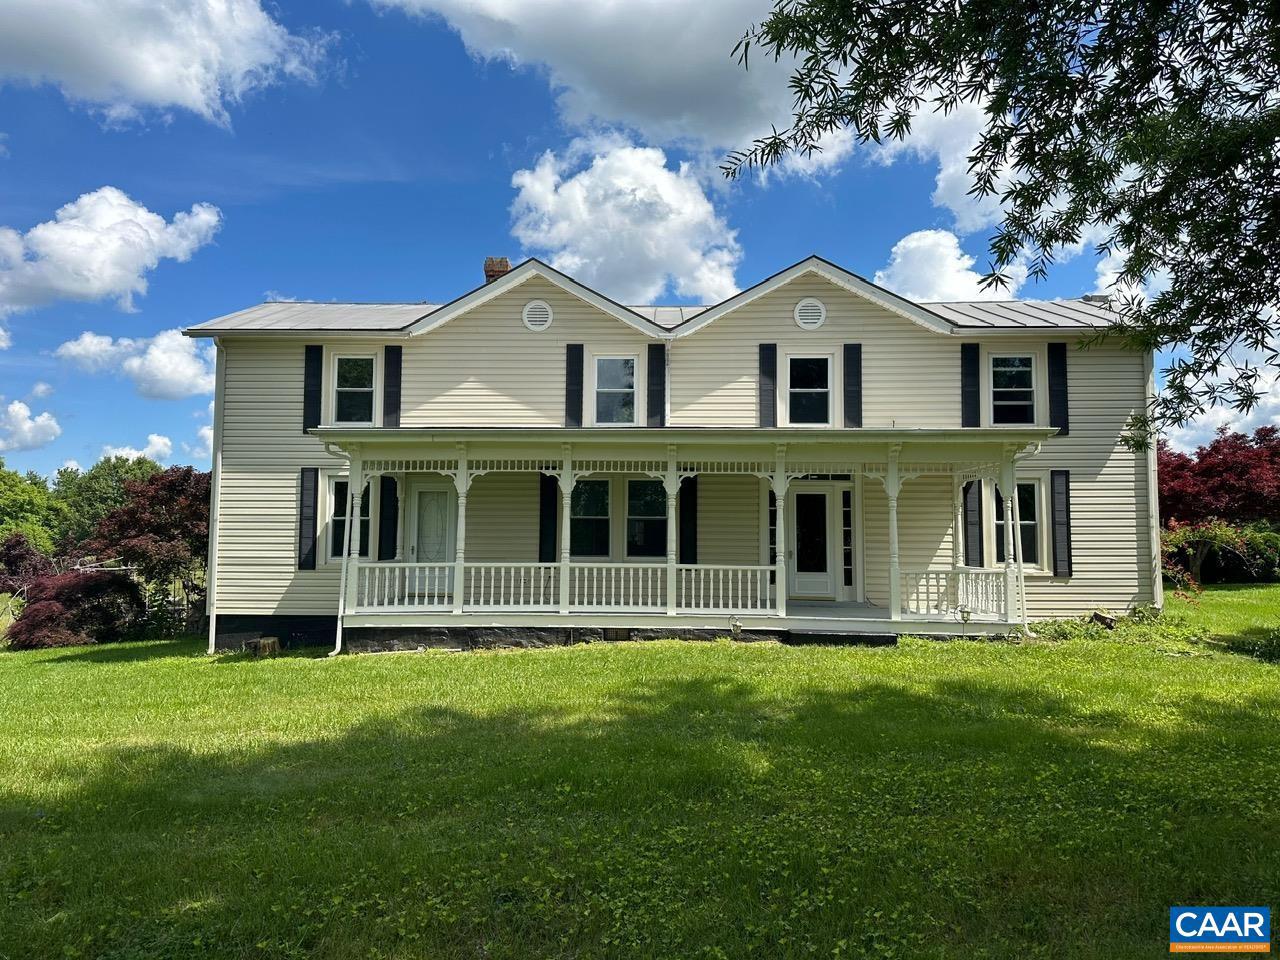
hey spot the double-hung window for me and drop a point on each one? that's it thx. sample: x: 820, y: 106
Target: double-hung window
x: 353, y: 390
x: 1028, y: 529
x: 1013, y: 389
x: 589, y: 519
x: 809, y: 390
x: 615, y: 391
x: 338, y: 526
x: 646, y: 518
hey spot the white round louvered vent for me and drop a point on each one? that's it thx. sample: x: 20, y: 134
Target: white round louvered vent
x: 537, y: 315
x: 810, y: 313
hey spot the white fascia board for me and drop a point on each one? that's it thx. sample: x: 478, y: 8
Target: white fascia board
x: 518, y: 275
x: 832, y: 273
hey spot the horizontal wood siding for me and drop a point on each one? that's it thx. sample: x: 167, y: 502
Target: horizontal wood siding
x: 1110, y: 539
x: 728, y: 519
x: 925, y: 528
x: 502, y: 518
x: 714, y: 372
x: 485, y: 368
x: 262, y: 454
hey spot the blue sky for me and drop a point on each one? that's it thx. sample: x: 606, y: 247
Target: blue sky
x: 379, y: 151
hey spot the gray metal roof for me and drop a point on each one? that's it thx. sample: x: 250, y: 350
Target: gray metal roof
x: 306, y: 315
x: 668, y: 317
x: 302, y: 316
x: 1024, y: 314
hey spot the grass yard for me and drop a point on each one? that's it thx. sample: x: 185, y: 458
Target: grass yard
x: 667, y: 799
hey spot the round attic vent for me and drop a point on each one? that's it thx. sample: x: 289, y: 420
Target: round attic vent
x: 810, y: 313
x: 537, y: 315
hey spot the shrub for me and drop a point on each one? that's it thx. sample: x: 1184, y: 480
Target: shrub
x: 21, y: 563
x: 78, y: 607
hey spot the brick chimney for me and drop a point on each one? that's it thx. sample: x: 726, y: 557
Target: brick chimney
x: 494, y: 267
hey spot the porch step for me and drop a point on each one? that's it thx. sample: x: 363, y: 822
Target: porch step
x: 827, y: 638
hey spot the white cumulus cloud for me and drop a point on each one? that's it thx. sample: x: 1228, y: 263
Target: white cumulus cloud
x: 98, y: 247
x: 40, y: 389
x: 164, y: 367
x: 618, y: 218
x: 930, y: 265
x: 19, y: 430
x: 6, y: 341
x: 124, y: 57
x: 664, y: 68
x: 72, y: 465
x: 158, y: 448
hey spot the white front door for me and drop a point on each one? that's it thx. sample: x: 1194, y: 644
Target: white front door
x: 810, y: 544
x: 432, y: 520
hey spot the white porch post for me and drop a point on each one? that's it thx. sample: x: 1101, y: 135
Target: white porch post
x: 461, y: 483
x: 957, y: 538
x: 892, y: 486
x: 1008, y: 493
x: 671, y: 482
x: 566, y: 503
x: 780, y: 482
x: 1020, y: 582
x: 348, y: 581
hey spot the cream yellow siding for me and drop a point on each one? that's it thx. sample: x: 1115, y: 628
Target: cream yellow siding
x: 502, y: 518
x: 263, y: 450
x: 926, y: 524
x: 911, y: 375
x: 485, y: 368
x: 729, y: 519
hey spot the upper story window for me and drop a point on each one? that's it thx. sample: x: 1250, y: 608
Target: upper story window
x: 589, y: 519
x: 1028, y: 530
x: 338, y: 524
x: 353, y: 390
x: 646, y: 518
x: 809, y: 390
x: 1013, y: 389
x: 615, y: 390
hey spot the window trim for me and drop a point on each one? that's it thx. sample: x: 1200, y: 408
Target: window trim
x: 331, y: 396
x: 331, y: 479
x: 784, y: 401
x: 1039, y: 386
x: 627, y: 518
x: 608, y: 517
x: 994, y: 530
x: 638, y: 374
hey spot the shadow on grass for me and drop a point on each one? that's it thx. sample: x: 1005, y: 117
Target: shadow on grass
x: 134, y: 651
x: 675, y: 817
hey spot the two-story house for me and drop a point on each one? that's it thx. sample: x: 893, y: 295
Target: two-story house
x: 813, y: 455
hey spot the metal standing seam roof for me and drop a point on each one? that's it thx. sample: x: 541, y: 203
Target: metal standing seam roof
x: 1024, y: 314
x: 302, y: 316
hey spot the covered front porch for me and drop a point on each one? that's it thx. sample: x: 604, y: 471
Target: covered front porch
x: 799, y: 531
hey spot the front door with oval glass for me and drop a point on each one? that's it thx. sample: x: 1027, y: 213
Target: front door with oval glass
x: 811, y: 570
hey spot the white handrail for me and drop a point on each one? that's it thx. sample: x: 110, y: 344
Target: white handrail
x: 404, y: 586
x: 511, y: 586
x: 617, y: 586
x: 946, y: 592
x: 719, y: 588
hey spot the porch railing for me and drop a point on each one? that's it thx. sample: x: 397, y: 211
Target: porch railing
x: 945, y: 592
x: 511, y: 586
x: 725, y: 589
x: 404, y: 586
x: 618, y: 586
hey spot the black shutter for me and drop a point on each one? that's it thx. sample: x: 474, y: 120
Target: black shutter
x: 768, y: 385
x: 573, y: 385
x: 688, y: 517
x: 548, y: 498
x: 392, y: 358
x: 973, y: 523
x: 308, y: 485
x: 970, y: 391
x: 656, y: 404
x: 853, y: 384
x: 1060, y: 506
x: 388, y: 516
x: 1058, y: 415
x: 312, y: 375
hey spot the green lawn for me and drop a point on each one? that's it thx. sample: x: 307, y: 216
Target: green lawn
x: 668, y: 799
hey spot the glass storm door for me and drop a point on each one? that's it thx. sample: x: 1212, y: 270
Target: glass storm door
x: 431, y: 536
x: 810, y: 548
